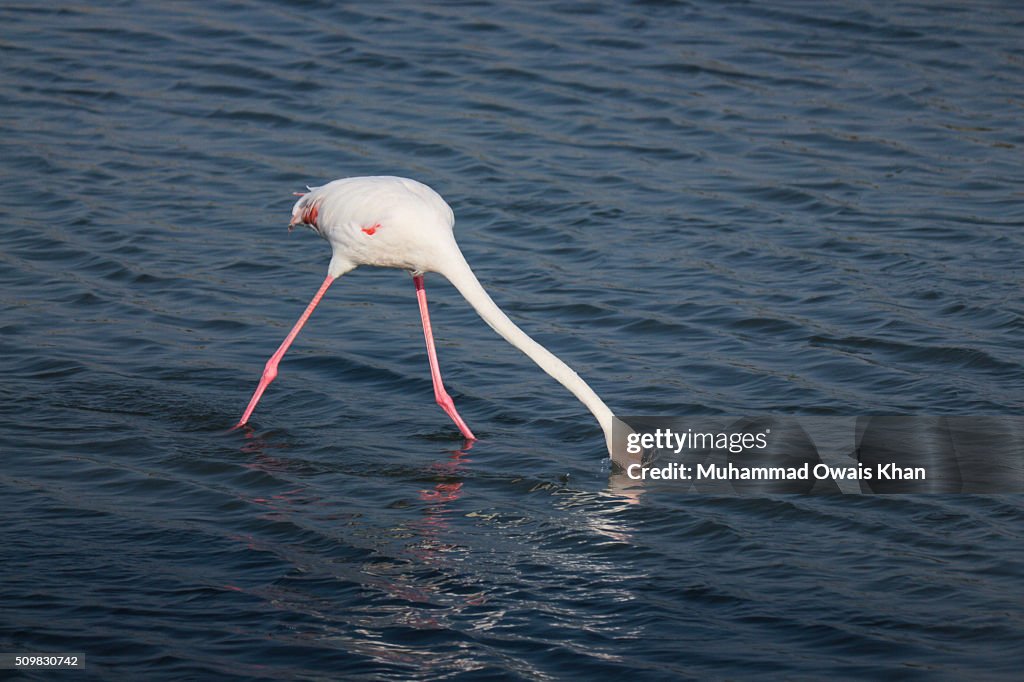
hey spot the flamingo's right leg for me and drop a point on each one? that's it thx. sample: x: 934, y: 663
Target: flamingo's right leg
x: 441, y: 395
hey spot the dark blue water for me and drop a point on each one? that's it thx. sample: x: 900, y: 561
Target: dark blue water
x: 704, y: 208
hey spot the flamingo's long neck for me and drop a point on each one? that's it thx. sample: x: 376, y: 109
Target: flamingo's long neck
x: 459, y: 273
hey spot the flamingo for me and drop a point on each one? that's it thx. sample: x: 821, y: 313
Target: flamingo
x: 396, y: 222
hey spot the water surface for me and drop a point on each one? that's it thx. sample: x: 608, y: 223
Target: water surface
x: 704, y: 208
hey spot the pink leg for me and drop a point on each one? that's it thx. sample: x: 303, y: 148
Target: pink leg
x: 443, y: 399
x: 270, y: 370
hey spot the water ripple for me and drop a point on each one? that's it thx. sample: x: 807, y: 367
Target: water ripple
x: 703, y: 209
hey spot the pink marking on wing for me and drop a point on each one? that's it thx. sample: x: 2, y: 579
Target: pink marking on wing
x: 372, y: 229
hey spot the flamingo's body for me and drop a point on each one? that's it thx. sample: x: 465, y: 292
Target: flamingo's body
x: 400, y: 223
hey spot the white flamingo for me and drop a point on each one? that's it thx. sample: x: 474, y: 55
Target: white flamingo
x: 400, y: 223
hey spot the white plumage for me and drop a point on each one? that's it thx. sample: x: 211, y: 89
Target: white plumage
x: 400, y: 223
x: 413, y: 223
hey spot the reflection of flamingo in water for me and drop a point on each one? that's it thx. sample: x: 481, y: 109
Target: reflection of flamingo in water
x: 400, y: 223
x: 438, y: 501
